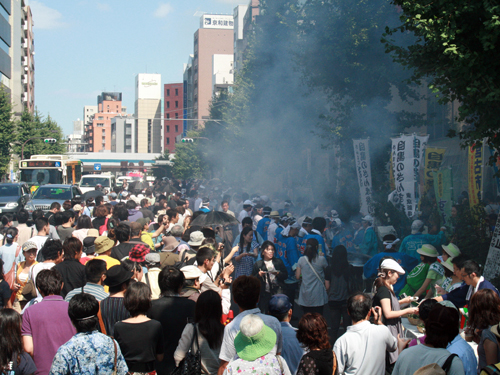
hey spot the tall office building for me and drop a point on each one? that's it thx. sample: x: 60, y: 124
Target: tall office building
x: 173, y: 110
x: 88, y: 113
x: 214, y: 37
x: 122, y: 134
x: 148, y: 128
x: 17, y: 64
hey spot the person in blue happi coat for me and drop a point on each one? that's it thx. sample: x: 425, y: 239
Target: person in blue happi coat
x: 416, y: 239
x: 369, y: 246
x: 390, y: 242
x: 263, y: 224
x: 287, y: 251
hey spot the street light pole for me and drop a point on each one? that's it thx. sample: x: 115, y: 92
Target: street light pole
x: 22, y: 148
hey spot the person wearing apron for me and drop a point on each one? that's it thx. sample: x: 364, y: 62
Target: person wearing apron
x: 391, y: 307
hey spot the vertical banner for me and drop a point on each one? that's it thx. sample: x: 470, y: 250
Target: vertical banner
x: 433, y: 159
x: 443, y: 187
x: 492, y: 266
x: 475, y: 175
x: 403, y: 156
x: 363, y: 170
x: 419, y: 146
x: 495, y: 169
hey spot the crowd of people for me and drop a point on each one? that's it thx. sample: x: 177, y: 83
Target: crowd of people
x: 128, y: 282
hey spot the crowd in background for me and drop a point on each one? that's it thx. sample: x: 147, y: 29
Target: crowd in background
x: 136, y: 280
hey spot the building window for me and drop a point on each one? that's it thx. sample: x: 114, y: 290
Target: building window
x: 168, y: 141
x: 176, y: 128
x: 168, y: 128
x: 100, y: 124
x: 176, y: 115
x: 100, y: 118
x: 176, y: 92
x: 168, y: 116
x: 168, y: 92
x: 176, y: 104
x: 168, y: 104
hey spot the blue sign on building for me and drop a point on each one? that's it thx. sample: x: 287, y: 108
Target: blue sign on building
x: 97, y: 166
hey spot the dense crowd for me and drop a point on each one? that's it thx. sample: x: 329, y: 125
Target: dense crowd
x: 184, y: 277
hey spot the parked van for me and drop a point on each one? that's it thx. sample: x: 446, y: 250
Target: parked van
x: 90, y: 181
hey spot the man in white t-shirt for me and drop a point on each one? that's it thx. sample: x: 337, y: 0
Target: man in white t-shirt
x: 362, y: 349
x: 43, y: 227
x: 53, y: 254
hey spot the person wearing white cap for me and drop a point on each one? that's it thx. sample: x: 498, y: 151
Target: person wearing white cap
x: 416, y: 239
x: 245, y: 212
x: 388, y: 275
x: 423, y: 278
x: 369, y: 246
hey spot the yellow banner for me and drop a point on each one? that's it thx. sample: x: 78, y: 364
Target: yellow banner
x: 433, y: 159
x: 475, y: 175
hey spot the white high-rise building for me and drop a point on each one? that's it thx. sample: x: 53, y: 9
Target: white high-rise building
x: 148, y: 124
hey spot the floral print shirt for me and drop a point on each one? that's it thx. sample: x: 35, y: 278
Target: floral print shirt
x: 265, y: 365
x: 88, y: 353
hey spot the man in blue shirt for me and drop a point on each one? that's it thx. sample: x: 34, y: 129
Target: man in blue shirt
x: 281, y: 308
x: 369, y: 246
x: 319, y: 225
x: 473, y: 281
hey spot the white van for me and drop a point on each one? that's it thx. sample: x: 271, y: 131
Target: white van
x: 90, y: 181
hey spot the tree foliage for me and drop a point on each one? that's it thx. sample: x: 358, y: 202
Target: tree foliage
x: 188, y: 162
x: 456, y: 52
x: 7, y: 135
x: 37, y: 127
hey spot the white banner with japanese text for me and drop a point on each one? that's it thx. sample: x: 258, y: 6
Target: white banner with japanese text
x: 403, y: 162
x: 363, y: 170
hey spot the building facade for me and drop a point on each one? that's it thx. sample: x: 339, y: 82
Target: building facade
x: 148, y: 124
x: 123, y: 134
x: 98, y: 129
x: 17, y: 50
x: 215, y: 36
x: 173, y: 108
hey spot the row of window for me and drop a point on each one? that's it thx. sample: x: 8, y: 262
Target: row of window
x: 168, y: 115
x: 176, y: 92
x: 176, y: 104
x: 176, y: 128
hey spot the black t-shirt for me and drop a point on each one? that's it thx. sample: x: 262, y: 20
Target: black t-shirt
x: 382, y: 293
x: 98, y: 222
x: 140, y: 343
x: 122, y: 250
x: 25, y: 366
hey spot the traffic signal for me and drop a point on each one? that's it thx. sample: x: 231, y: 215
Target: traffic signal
x: 184, y: 140
x: 50, y: 140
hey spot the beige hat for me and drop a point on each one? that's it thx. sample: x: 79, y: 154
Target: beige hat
x: 448, y: 264
x: 77, y: 208
x: 93, y: 233
x: 103, y: 244
x: 451, y: 249
x: 428, y: 251
x: 170, y: 243
x: 274, y: 214
x: 196, y: 238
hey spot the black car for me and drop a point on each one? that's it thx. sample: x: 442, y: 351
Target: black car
x: 13, y: 197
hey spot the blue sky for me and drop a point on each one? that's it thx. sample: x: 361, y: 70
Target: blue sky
x: 85, y: 47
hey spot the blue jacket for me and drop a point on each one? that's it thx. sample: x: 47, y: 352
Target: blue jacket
x: 370, y: 269
x: 413, y: 242
x: 345, y: 238
x: 262, y: 227
x: 369, y: 246
x: 318, y: 237
x: 289, y: 254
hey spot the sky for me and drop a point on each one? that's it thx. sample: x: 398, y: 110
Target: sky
x: 83, y: 48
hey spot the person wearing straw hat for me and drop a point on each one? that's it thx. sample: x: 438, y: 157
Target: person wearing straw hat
x: 452, y: 281
x: 449, y: 251
x: 423, y: 278
x: 253, y: 345
x: 273, y: 225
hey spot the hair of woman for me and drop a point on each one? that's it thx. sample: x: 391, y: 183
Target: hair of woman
x: 484, y: 309
x: 313, y: 332
x: 244, y: 232
x: 208, y: 314
x: 9, y: 235
x: 84, y: 222
x: 341, y: 265
x: 311, y: 251
x: 10, y: 338
x: 265, y: 245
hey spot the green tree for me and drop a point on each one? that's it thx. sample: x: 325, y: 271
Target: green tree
x: 35, y: 126
x: 188, y: 162
x: 7, y: 135
x: 456, y: 53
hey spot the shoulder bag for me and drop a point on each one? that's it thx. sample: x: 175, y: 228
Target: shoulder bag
x: 318, y: 276
x: 191, y: 364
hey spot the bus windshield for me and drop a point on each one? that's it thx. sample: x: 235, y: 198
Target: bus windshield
x: 47, y: 192
x: 94, y: 181
x: 41, y: 176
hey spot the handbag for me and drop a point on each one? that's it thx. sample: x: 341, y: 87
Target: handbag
x: 29, y: 290
x: 191, y: 364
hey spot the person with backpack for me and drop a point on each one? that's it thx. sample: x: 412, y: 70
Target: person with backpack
x: 441, y: 328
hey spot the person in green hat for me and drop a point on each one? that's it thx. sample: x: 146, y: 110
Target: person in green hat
x: 423, y: 277
x: 254, y: 344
